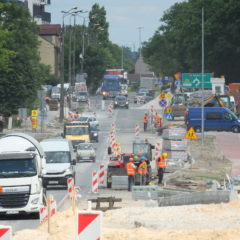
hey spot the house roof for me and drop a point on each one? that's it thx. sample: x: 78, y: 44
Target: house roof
x: 50, y: 29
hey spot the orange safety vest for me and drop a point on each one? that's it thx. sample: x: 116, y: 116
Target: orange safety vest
x: 130, y: 169
x: 156, y: 116
x: 142, y: 169
x: 159, y: 122
x: 145, y: 118
x: 161, y: 162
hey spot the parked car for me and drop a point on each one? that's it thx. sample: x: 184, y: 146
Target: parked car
x: 88, y: 118
x: 60, y: 161
x: 120, y: 102
x: 86, y: 151
x: 215, y: 118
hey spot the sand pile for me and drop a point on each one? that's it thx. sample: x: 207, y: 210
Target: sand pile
x: 200, y: 222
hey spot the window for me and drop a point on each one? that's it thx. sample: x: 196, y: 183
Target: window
x: 228, y: 116
x: 213, y: 116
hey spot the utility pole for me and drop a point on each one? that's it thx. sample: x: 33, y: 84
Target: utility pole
x: 83, y: 45
x: 140, y: 51
x: 202, y: 140
x: 70, y: 54
x: 122, y: 59
x: 74, y: 50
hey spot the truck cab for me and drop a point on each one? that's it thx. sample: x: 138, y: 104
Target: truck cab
x: 22, y: 162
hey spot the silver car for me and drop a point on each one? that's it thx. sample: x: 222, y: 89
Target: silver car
x: 86, y: 151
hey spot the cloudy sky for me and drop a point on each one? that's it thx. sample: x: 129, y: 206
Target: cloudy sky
x: 124, y: 17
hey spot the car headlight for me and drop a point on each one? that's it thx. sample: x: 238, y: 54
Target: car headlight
x: 95, y: 134
x: 116, y: 103
x: 68, y: 170
x: 126, y: 102
x: 35, y: 200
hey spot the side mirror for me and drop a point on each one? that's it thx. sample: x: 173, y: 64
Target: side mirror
x: 74, y: 162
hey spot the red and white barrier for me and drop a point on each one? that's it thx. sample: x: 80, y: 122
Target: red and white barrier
x: 5, y: 232
x: 70, y: 184
x: 110, y: 110
x: 89, y: 225
x: 101, y: 174
x: 44, y: 211
x: 137, y: 130
x: 95, y: 182
x: 157, y: 150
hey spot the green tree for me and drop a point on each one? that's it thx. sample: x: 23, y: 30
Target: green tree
x: 176, y: 45
x: 21, y: 73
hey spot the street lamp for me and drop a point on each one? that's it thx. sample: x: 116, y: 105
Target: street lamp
x: 61, y: 115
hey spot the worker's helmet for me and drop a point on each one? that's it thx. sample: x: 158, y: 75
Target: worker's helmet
x: 165, y: 155
x: 136, y: 158
x: 143, y: 158
x: 131, y: 159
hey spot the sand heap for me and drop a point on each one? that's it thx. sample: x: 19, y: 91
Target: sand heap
x: 196, y: 222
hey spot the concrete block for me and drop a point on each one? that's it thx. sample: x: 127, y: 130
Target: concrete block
x: 174, y: 133
x: 171, y: 145
x: 176, y: 155
x: 145, y: 192
x: 173, y: 165
x: 119, y: 182
x: 207, y: 197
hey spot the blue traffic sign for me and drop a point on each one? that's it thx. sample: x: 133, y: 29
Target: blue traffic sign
x: 177, y: 83
x: 169, y: 116
x: 163, y: 103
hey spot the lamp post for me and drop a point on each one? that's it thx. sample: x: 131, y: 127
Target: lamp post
x: 61, y: 115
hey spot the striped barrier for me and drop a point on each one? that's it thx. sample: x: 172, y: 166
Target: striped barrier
x: 95, y: 182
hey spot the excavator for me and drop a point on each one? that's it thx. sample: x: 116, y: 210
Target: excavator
x: 117, y: 164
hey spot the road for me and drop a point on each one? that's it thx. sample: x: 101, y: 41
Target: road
x: 125, y: 120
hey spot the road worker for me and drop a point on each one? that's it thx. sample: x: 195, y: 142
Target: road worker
x: 142, y: 170
x: 131, y: 172
x: 76, y: 116
x: 145, y: 122
x: 161, y: 165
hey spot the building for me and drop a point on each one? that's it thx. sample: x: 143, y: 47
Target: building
x: 37, y: 10
x: 49, y: 49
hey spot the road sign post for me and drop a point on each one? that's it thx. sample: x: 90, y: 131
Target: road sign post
x: 194, y: 80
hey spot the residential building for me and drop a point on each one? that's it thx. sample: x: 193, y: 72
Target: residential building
x: 49, y: 49
x: 37, y: 10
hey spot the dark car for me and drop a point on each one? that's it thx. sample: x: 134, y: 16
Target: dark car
x: 94, y: 133
x: 120, y: 102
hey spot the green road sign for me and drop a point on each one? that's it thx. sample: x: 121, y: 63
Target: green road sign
x: 194, y: 80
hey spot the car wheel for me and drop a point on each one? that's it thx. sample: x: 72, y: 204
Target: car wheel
x: 197, y: 129
x: 235, y: 129
x: 94, y: 160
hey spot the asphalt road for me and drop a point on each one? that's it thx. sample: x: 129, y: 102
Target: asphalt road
x: 124, y: 119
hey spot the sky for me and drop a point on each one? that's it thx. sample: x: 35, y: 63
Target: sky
x: 125, y: 17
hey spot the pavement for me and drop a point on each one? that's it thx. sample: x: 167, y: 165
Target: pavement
x: 229, y: 144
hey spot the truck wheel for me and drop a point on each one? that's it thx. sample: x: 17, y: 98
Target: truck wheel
x: 235, y: 129
x: 197, y: 129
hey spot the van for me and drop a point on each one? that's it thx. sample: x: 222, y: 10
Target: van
x: 215, y: 118
x: 60, y: 161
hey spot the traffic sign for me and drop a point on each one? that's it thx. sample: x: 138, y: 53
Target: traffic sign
x: 168, y: 110
x: 163, y: 103
x: 169, y: 95
x: 34, y: 113
x: 169, y: 116
x: 191, y: 134
x: 177, y: 82
x: 5, y: 232
x: 194, y: 80
x: 162, y: 95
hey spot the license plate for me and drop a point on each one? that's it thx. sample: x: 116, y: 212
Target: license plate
x: 53, y: 182
x: 12, y: 212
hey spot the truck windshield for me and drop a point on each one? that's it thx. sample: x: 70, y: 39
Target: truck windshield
x: 76, y: 130
x: 14, y: 168
x: 140, y: 148
x: 57, y: 157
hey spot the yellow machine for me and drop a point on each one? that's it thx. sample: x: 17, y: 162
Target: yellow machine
x: 77, y: 132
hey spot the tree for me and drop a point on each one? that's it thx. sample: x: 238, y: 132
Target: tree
x: 176, y: 45
x: 21, y: 72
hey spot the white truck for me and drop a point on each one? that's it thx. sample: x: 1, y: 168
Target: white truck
x: 148, y: 82
x: 22, y: 165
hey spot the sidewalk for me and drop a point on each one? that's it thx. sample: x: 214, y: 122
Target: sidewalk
x: 230, y: 147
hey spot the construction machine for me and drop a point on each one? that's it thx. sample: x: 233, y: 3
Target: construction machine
x: 117, y: 164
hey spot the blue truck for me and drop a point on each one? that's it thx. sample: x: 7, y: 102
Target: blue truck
x: 215, y: 119
x: 111, y: 86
